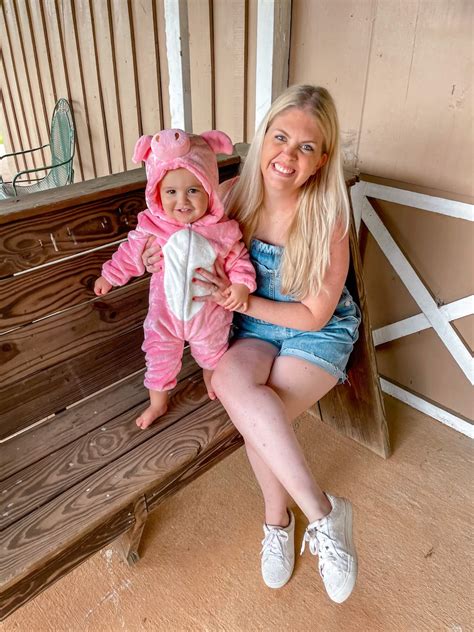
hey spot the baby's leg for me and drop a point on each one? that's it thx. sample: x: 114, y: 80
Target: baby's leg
x: 208, y: 346
x: 158, y: 406
x: 207, y: 377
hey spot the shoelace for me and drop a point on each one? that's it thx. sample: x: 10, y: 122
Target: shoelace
x: 320, y: 543
x: 273, y: 544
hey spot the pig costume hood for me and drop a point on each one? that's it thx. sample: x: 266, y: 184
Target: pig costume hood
x: 175, y: 149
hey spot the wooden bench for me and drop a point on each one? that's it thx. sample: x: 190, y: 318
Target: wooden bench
x: 75, y: 471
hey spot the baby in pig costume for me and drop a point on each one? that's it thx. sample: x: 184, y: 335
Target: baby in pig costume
x: 186, y: 217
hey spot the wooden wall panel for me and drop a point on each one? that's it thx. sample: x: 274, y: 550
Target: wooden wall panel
x: 201, y: 53
x: 230, y: 20
x: 94, y: 105
x: 251, y: 69
x: 418, y: 106
x: 22, y: 120
x: 127, y: 94
x: 330, y: 47
x: 107, y: 79
x: 146, y: 53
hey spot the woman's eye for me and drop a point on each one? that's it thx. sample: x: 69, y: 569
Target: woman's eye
x: 170, y: 192
x: 192, y: 191
x: 307, y: 147
x: 280, y: 137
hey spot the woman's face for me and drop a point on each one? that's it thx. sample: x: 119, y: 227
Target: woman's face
x: 292, y: 151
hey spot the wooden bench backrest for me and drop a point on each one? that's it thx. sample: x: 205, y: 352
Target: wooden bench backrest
x: 58, y: 342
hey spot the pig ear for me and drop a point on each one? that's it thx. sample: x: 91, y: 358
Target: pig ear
x: 142, y: 149
x: 219, y: 142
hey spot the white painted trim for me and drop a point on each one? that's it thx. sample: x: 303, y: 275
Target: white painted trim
x: 273, y: 53
x: 358, y: 194
x: 444, y: 206
x: 414, y: 285
x: 457, y: 309
x: 264, y: 60
x: 445, y: 417
x: 177, y: 52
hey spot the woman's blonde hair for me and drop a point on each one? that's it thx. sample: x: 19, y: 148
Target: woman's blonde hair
x: 323, y: 203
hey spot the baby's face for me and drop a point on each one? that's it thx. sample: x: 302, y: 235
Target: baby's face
x: 183, y: 196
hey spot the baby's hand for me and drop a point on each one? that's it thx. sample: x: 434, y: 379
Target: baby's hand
x: 238, y: 295
x: 102, y: 286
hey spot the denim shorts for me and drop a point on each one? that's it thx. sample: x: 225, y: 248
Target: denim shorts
x: 328, y: 348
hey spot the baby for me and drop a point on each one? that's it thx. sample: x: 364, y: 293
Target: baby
x: 186, y: 217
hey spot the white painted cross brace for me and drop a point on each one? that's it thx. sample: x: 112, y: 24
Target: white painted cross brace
x: 401, y: 265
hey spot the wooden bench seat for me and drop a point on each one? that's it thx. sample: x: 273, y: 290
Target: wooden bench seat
x: 75, y: 471
x: 83, y: 493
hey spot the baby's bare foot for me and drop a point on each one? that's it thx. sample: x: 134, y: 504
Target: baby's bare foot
x: 207, y: 376
x: 149, y: 415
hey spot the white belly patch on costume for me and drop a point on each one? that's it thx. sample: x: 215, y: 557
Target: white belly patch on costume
x: 185, y: 251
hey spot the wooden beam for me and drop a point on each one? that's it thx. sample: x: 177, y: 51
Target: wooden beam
x: 417, y: 289
x: 273, y: 50
x: 177, y: 46
x: 438, y: 413
x: 457, y: 309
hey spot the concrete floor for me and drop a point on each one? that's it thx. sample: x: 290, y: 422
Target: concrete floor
x: 200, y: 566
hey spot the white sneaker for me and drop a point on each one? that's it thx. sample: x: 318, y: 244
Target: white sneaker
x: 278, y: 553
x: 331, y: 539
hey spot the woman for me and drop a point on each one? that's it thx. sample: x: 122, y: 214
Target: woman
x: 291, y: 345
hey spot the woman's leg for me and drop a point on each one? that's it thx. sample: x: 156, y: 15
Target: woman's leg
x: 262, y: 413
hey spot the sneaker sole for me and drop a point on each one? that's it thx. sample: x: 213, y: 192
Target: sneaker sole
x: 348, y: 587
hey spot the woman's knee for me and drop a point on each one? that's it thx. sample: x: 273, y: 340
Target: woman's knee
x: 245, y: 364
x: 226, y: 377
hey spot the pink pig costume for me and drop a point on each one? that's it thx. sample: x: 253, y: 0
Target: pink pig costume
x: 173, y: 316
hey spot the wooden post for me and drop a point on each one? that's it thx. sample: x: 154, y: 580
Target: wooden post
x: 129, y: 542
x: 356, y: 408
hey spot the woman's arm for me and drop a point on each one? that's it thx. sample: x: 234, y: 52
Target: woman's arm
x: 313, y: 312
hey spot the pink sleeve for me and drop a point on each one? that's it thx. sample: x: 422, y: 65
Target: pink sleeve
x: 238, y: 266
x: 127, y: 261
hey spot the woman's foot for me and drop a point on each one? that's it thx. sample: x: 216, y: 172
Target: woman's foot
x: 331, y: 539
x: 278, y: 553
x: 157, y: 408
x: 207, y: 377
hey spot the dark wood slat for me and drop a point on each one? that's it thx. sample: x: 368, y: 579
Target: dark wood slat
x: 47, y: 342
x: 44, y: 291
x: 206, y: 460
x: 118, y: 184
x: 53, y: 235
x: 51, y: 390
x: 27, y: 544
x: 73, y: 554
x: 60, y: 470
x: 41, y: 229
x: 67, y: 426
x: 64, y: 560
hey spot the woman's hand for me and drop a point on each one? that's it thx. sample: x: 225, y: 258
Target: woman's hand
x: 152, y: 256
x: 215, y: 282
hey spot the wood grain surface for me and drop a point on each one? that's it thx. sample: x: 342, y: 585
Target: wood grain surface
x: 45, y: 291
x: 50, y: 390
x: 32, y: 547
x: 29, y: 447
x: 52, y: 340
x: 62, y: 469
x: 55, y: 234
